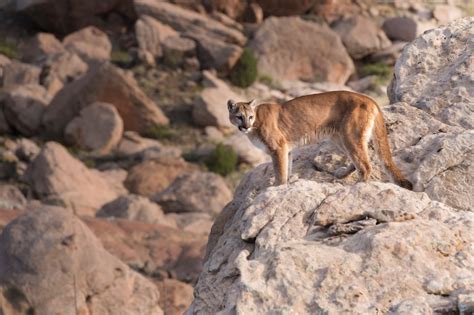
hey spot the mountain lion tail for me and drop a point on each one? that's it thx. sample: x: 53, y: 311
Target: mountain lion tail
x: 385, y: 153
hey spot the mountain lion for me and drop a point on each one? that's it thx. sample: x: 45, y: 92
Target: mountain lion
x: 346, y: 118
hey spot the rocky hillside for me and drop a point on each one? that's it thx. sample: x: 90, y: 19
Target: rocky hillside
x: 117, y: 157
x: 317, y: 246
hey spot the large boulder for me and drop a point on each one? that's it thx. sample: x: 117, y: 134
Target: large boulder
x: 57, y: 177
x: 137, y: 208
x: 153, y: 176
x: 90, y: 43
x: 105, y: 83
x: 290, y: 48
x: 218, y: 44
x: 209, y: 108
x: 64, y: 17
x: 434, y: 74
x: 402, y: 28
x: 23, y: 107
x: 151, y: 34
x: 319, y: 247
x: 98, y: 128
x: 361, y: 36
x: 51, y: 263
x: 195, y: 192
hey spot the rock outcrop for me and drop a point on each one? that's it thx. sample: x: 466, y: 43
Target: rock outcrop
x: 325, y: 245
x: 286, y: 50
x: 361, y: 36
x: 108, y: 84
x: 98, y: 128
x: 58, y: 178
x: 23, y: 107
x: 209, y: 108
x: 218, y: 44
x: 434, y: 73
x: 51, y: 262
x: 313, y: 247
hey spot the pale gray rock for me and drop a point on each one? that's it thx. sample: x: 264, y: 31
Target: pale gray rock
x: 176, y: 49
x: 246, y: 151
x: 195, y: 192
x: 135, y: 208
x: 361, y: 36
x: 218, y: 44
x: 11, y: 197
x: 443, y: 166
x: 276, y: 252
x: 98, y: 128
x: 23, y: 107
x: 446, y: 13
x: 151, y: 34
x: 116, y: 177
x: 435, y: 71
x: 274, y: 46
x: 90, y: 43
x: 132, y: 145
x: 210, y: 108
x: 18, y: 73
x: 54, y: 263
x: 57, y: 177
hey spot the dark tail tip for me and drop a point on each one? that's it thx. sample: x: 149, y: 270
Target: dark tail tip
x: 406, y: 184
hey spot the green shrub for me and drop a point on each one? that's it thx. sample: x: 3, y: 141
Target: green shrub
x: 382, y: 71
x: 159, y: 132
x: 8, y: 49
x: 245, y: 71
x: 121, y: 58
x: 223, y: 160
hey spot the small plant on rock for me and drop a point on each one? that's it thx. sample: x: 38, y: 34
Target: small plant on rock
x: 8, y: 49
x: 245, y: 71
x: 223, y: 160
x: 382, y: 71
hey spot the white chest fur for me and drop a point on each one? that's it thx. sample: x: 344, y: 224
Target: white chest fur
x: 258, y: 143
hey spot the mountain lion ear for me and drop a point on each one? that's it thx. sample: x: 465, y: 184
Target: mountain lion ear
x: 253, y: 103
x: 230, y: 105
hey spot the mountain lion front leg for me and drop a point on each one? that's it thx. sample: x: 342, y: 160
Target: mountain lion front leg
x: 280, y: 164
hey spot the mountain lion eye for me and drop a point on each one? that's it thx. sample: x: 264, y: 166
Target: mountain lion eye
x: 251, y: 117
x: 240, y: 118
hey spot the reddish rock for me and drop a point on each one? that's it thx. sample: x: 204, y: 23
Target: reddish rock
x: 153, y: 176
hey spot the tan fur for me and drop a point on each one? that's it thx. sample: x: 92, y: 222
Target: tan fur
x: 348, y: 119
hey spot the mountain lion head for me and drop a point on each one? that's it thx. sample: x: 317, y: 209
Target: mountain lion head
x: 242, y: 114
